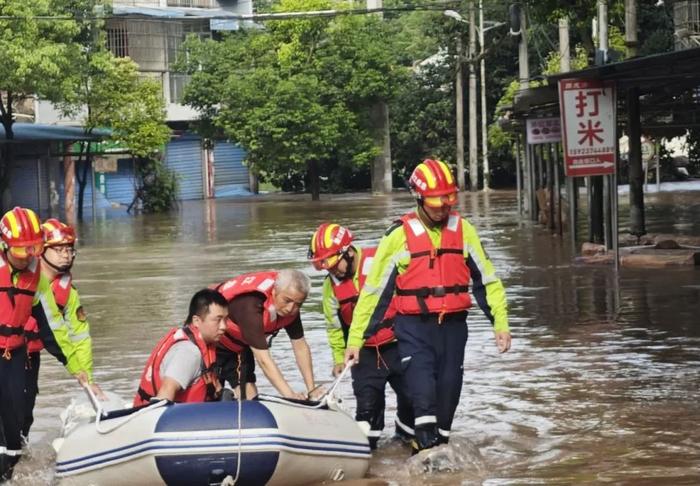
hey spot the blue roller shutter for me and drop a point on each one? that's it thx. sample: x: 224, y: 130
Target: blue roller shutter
x: 119, y: 186
x: 184, y: 156
x: 24, y: 183
x: 230, y: 175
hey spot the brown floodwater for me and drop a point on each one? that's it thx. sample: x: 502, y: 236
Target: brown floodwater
x: 601, y: 384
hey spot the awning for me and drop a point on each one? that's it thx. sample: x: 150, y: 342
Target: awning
x: 27, y: 132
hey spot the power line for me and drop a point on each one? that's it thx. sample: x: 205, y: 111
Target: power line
x: 250, y: 17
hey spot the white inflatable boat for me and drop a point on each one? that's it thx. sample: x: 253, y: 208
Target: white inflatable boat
x: 278, y: 442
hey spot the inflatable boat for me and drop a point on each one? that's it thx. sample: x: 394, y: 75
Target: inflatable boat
x: 269, y: 441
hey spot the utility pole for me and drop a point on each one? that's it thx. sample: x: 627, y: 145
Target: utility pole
x: 631, y: 27
x: 459, y: 114
x: 571, y: 183
x: 379, y: 113
x: 473, y: 162
x: 484, y: 132
x: 518, y: 21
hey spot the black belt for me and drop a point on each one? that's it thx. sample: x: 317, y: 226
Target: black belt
x: 8, y: 331
x: 425, y: 292
x: 439, y: 291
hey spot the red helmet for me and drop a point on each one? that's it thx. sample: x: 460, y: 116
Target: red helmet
x: 328, y: 244
x: 20, y: 227
x: 57, y: 233
x: 432, y: 182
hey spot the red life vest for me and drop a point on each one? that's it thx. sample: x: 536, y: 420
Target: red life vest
x: 347, y: 295
x: 437, y: 279
x: 204, y: 389
x: 61, y: 287
x: 16, y: 302
x: 260, y: 282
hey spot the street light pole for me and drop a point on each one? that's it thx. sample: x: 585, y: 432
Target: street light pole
x: 459, y: 115
x: 473, y: 162
x: 484, y: 137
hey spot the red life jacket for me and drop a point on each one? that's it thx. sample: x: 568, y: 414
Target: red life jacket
x: 61, y: 287
x: 204, y: 389
x: 347, y: 295
x: 437, y: 279
x: 260, y: 282
x: 16, y: 302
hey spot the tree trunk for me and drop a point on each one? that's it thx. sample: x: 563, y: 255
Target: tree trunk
x: 6, y: 155
x: 314, y: 180
x: 81, y: 175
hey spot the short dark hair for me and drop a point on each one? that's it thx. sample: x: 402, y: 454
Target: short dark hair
x: 199, y: 305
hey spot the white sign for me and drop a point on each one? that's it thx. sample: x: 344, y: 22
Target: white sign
x: 588, y: 114
x: 543, y: 130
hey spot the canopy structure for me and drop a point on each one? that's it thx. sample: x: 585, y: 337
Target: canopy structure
x: 34, y: 132
x: 667, y: 85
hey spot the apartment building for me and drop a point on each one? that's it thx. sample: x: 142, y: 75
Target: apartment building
x: 151, y: 33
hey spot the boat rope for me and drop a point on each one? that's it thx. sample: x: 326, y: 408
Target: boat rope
x: 229, y: 481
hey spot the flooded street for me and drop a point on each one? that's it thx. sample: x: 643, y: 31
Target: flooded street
x: 602, y: 384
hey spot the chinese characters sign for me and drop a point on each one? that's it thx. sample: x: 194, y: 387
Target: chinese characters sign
x: 543, y: 130
x: 588, y: 115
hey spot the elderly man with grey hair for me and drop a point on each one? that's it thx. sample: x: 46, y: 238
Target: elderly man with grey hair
x: 260, y: 304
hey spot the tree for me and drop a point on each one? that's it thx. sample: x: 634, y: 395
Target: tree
x: 295, y: 94
x: 110, y: 94
x: 36, y: 59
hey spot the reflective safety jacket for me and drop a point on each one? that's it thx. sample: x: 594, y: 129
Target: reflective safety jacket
x: 260, y: 282
x: 206, y: 387
x: 16, y: 300
x: 61, y: 288
x: 437, y: 279
x: 392, y: 260
x: 346, y: 293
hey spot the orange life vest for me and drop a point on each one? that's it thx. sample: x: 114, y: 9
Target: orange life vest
x: 260, y: 282
x: 16, y: 302
x: 205, y: 388
x: 437, y: 279
x: 61, y: 287
x: 347, y: 295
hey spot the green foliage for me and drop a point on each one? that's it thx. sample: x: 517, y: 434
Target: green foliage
x: 553, y: 62
x: 423, y: 119
x: 112, y: 95
x: 156, y: 185
x: 295, y: 95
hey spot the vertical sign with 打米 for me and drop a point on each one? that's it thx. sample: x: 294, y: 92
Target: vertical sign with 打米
x: 588, y: 117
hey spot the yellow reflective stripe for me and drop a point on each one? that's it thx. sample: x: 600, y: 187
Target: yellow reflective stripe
x: 328, y: 236
x: 428, y: 175
x: 12, y: 219
x: 34, y: 220
x: 446, y: 171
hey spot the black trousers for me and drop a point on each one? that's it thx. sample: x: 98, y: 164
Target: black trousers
x: 432, y: 356
x: 31, y: 390
x: 377, y: 367
x: 228, y: 369
x: 12, y: 378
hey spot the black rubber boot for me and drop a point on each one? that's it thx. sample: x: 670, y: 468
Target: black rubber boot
x: 426, y: 437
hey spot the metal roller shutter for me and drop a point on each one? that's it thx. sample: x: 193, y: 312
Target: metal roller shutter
x: 184, y: 156
x: 230, y: 175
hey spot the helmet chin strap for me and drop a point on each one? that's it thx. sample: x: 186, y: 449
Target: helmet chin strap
x: 61, y: 269
x: 350, y: 272
x: 427, y: 219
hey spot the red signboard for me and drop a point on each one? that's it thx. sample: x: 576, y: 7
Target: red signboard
x: 588, y: 117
